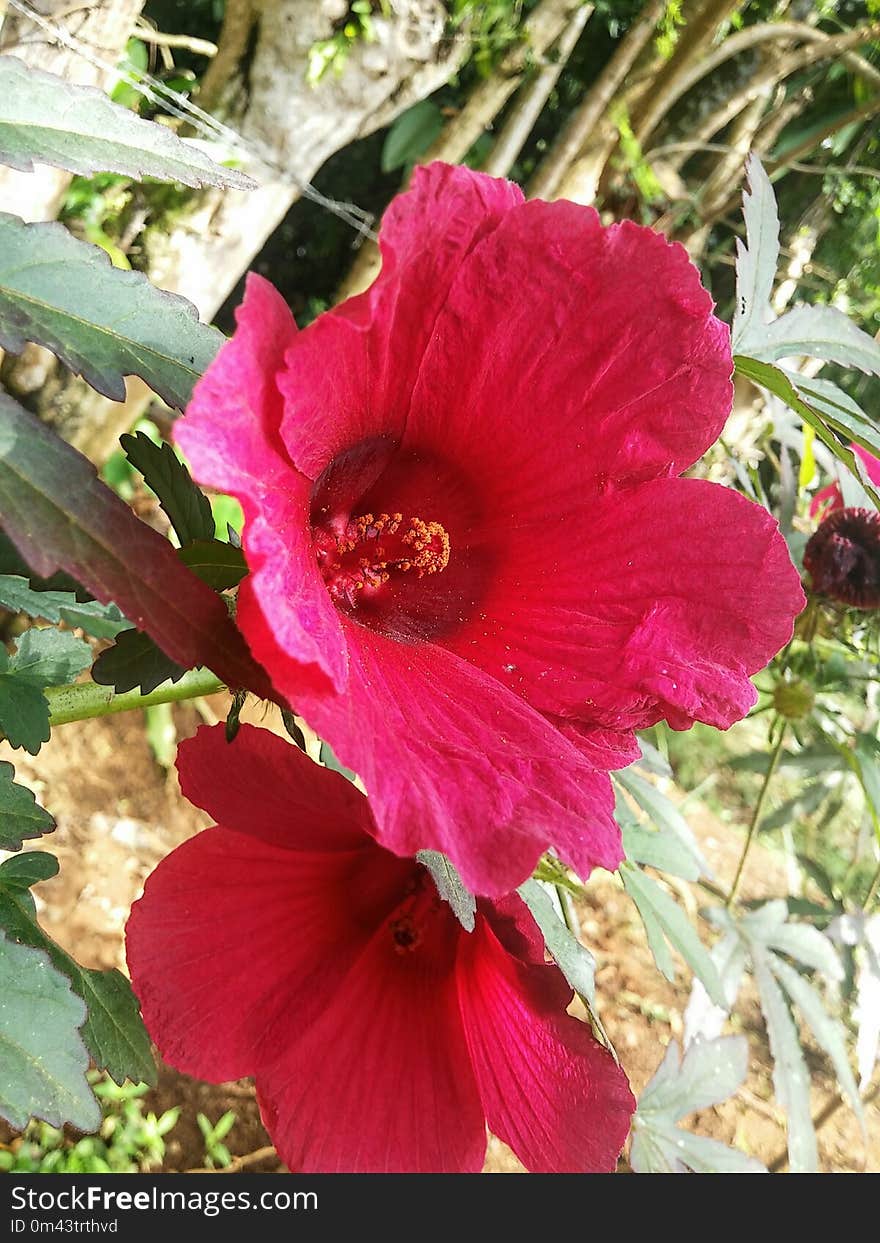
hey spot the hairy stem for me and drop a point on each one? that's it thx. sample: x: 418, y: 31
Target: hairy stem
x: 85, y: 700
x: 756, y: 813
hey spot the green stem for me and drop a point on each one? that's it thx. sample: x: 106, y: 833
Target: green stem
x: 85, y: 700
x: 872, y: 890
x: 756, y: 814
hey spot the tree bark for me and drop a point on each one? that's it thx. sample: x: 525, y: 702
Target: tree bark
x: 295, y: 128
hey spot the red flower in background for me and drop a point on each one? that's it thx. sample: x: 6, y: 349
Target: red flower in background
x: 829, y: 498
x: 289, y: 946
x: 473, y: 568
x: 843, y: 557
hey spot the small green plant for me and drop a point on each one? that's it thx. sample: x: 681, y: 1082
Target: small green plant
x: 216, y: 1152
x: 129, y: 1140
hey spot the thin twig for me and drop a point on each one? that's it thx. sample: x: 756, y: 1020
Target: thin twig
x: 756, y: 814
x: 201, y: 47
x: 238, y: 1163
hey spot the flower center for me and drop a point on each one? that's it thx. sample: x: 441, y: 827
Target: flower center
x: 422, y: 929
x: 370, y: 550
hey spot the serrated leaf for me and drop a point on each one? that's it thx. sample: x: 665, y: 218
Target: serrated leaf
x: 45, y: 119
x: 24, y: 709
x: 839, y: 410
x: 43, y: 1061
x: 791, y: 1079
x: 756, y: 259
x: 806, y: 945
x: 28, y: 869
x: 827, y: 1031
x: 816, y: 332
x: 113, y: 1031
x: 219, y: 565
x: 712, y: 1070
x: 102, y: 322
x: 135, y: 662
x: 778, y: 382
x: 669, y: 821
x: 660, y: 914
x: 572, y: 958
x: 104, y: 621
x: 60, y: 515
x: 703, y: 1019
x: 188, y: 509
x: 50, y: 657
x: 21, y: 816
x: 450, y: 887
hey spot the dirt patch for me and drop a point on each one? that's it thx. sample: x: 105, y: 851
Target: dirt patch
x: 118, y: 813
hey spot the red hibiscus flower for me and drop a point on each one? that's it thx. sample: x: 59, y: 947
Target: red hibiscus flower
x: 473, y: 568
x: 289, y: 946
x: 829, y: 498
x: 843, y: 557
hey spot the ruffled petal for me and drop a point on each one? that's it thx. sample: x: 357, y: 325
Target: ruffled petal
x: 452, y: 761
x: 230, y: 434
x: 547, y: 1086
x: 267, y: 788
x: 659, y: 602
x: 382, y: 1083
x: 232, y: 932
x: 350, y: 375
x: 571, y: 358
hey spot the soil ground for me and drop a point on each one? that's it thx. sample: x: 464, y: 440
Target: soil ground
x: 118, y: 813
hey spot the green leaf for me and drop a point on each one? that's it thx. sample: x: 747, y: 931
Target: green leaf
x: 24, y: 709
x: 59, y: 514
x: 114, y: 1033
x: 828, y: 1031
x: 780, y: 384
x: 664, y: 919
x: 450, y: 887
x: 572, y: 958
x: 21, y: 816
x: 816, y: 332
x: 791, y: 1079
x: 188, y: 509
x: 133, y: 661
x: 104, y: 621
x: 838, y: 409
x: 219, y: 565
x: 671, y: 825
x: 50, y: 657
x: 102, y: 322
x: 712, y: 1071
x: 42, y: 658
x: 756, y: 260
x: 328, y: 758
x: 411, y: 135
x: 43, y: 1061
x: 45, y: 119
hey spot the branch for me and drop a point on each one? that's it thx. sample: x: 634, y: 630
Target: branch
x: 580, y: 125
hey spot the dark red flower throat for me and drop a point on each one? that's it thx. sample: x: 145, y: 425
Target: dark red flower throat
x: 393, y: 532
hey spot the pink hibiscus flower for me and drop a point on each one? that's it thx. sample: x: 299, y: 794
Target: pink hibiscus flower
x: 473, y: 568
x: 289, y: 946
x: 829, y: 498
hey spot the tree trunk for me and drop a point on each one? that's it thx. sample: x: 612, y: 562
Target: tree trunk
x: 294, y: 128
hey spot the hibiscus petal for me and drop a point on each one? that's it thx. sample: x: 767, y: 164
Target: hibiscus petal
x: 382, y: 1083
x: 571, y: 358
x: 454, y: 762
x: 267, y: 788
x: 660, y: 601
x: 350, y: 375
x: 230, y: 932
x: 230, y: 433
x: 548, y: 1088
